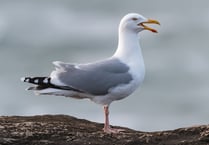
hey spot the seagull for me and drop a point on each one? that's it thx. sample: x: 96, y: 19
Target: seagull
x: 103, y: 81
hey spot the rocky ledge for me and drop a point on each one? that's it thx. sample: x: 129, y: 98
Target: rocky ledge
x: 67, y: 130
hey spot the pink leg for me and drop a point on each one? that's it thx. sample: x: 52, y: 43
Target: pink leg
x: 107, y: 127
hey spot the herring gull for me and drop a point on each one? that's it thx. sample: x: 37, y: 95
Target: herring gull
x: 103, y: 81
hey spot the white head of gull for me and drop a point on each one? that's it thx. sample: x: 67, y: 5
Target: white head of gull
x: 103, y: 81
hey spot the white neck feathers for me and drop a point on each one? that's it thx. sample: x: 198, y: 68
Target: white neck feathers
x: 128, y: 46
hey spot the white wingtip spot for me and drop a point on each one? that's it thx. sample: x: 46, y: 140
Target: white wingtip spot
x: 22, y: 79
x: 45, y: 80
x: 36, y: 81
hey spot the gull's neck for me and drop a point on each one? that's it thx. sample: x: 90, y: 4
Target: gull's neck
x: 129, y: 52
x: 129, y: 49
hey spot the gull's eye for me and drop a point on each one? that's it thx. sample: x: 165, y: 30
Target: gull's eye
x: 134, y: 19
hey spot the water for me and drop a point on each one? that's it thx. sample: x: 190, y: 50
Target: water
x: 175, y: 92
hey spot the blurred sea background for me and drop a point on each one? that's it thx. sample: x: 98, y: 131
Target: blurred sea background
x: 175, y: 93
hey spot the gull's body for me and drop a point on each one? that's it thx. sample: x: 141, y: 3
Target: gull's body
x: 104, y: 81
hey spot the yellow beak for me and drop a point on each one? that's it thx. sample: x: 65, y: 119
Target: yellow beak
x: 150, y: 21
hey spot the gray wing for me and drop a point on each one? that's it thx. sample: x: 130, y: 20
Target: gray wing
x: 95, y: 78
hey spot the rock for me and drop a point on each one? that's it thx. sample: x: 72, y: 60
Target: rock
x: 67, y: 130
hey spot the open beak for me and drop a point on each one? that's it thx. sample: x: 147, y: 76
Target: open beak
x: 149, y: 21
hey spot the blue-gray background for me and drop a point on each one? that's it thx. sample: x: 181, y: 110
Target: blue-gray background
x: 33, y: 33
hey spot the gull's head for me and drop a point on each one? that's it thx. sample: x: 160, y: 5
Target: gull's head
x: 136, y: 23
